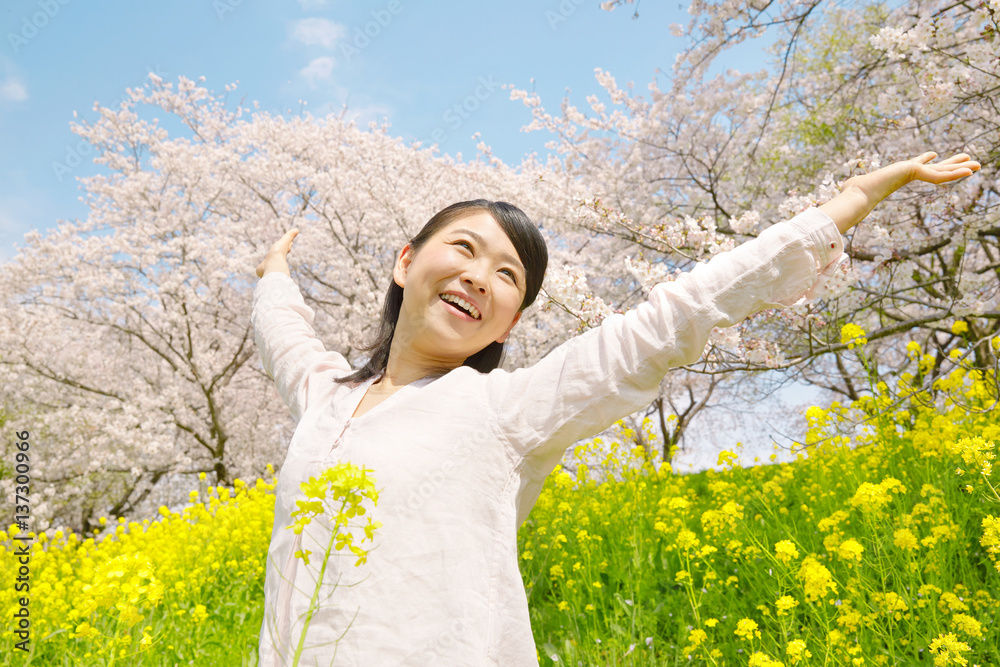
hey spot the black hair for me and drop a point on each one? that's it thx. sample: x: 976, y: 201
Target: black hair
x: 531, y: 250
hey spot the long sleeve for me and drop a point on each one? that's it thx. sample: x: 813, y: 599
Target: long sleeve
x: 282, y: 328
x: 609, y: 372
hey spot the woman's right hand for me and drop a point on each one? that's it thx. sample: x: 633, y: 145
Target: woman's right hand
x: 275, y: 260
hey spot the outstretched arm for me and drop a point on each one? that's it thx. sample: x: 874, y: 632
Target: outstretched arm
x: 861, y: 194
x: 609, y: 372
x: 291, y: 353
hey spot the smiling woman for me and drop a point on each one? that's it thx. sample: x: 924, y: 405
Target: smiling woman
x: 461, y: 448
x: 488, y: 254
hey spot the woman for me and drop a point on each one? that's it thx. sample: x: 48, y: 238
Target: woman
x: 460, y: 448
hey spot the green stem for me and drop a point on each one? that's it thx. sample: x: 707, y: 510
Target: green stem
x: 995, y: 495
x: 114, y: 641
x: 315, y: 596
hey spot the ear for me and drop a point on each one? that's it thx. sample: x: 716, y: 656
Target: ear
x: 507, y: 332
x: 402, y: 265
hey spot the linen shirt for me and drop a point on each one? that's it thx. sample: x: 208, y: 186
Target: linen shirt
x: 460, y: 459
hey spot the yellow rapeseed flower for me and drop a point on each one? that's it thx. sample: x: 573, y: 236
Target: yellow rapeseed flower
x: 726, y: 458
x: 832, y: 521
x: 816, y: 579
x: 850, y: 549
x: 948, y: 650
x: 785, y: 551
x: 686, y: 540
x: 816, y: 416
x: 951, y: 602
x: 696, y: 639
x: 852, y: 335
x: 991, y: 538
x: 785, y: 604
x: 747, y: 629
x: 905, y: 539
x: 977, y: 453
x: 759, y: 659
x: 967, y: 625
x: 796, y: 651
x: 873, y: 497
x: 679, y: 504
x: 199, y: 614
x: 890, y: 603
x: 85, y: 630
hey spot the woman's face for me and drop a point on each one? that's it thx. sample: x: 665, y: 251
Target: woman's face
x: 473, y: 258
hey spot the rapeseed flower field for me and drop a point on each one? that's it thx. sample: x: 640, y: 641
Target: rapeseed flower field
x: 879, y: 545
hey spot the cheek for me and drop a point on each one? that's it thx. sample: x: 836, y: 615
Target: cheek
x: 510, y: 307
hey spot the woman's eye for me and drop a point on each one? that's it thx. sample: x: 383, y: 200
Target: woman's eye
x: 509, y: 272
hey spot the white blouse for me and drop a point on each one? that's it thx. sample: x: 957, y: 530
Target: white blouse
x: 459, y: 460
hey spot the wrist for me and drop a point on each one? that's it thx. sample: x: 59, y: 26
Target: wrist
x: 276, y: 266
x: 856, y: 202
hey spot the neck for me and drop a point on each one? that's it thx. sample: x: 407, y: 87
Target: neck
x: 402, y: 368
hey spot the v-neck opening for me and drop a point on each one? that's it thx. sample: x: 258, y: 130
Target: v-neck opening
x: 363, y: 390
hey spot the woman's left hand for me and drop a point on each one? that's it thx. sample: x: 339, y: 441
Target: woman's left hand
x: 860, y: 194
x: 946, y: 171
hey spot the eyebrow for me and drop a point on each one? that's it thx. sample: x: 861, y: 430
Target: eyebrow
x: 481, y: 241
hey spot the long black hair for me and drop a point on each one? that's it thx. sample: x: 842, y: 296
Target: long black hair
x: 531, y: 250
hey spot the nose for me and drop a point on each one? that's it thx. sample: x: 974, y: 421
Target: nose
x: 474, y: 277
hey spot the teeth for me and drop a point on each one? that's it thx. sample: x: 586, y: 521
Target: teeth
x: 461, y: 302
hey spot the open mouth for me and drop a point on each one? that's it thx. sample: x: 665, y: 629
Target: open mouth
x: 459, y: 310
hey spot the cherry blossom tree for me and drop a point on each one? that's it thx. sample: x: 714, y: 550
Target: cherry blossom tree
x: 689, y: 171
x: 127, y: 345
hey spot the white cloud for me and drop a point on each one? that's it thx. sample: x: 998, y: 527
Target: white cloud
x: 319, y: 69
x: 318, y: 31
x: 13, y: 89
x: 309, y: 5
x: 11, y: 84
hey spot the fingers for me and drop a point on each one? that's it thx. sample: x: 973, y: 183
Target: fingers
x: 961, y: 160
x: 290, y: 236
x: 971, y: 165
x: 939, y: 177
x: 948, y: 174
x: 961, y: 157
x: 946, y: 171
x: 276, y: 254
x: 957, y: 169
x: 284, y: 244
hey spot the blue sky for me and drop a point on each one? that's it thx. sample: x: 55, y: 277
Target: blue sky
x: 416, y: 62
